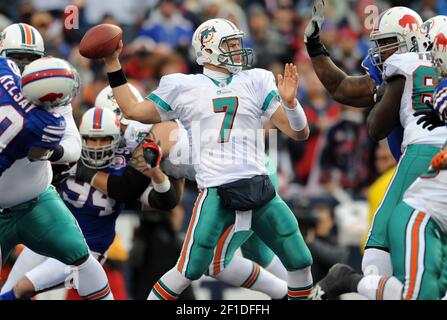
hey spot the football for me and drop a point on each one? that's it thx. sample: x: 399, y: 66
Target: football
x: 100, y: 41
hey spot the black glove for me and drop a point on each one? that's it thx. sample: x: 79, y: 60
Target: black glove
x: 61, y: 172
x: 84, y: 173
x: 58, y: 153
x: 429, y: 118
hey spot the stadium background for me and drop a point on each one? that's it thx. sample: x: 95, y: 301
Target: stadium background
x: 332, y: 182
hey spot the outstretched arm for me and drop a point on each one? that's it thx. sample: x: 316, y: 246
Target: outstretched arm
x: 144, y: 111
x: 353, y: 91
x: 290, y: 117
x: 356, y: 91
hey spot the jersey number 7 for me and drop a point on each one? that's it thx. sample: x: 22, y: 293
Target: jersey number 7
x: 229, y: 106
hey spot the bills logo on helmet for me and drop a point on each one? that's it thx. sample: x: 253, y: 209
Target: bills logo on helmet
x: 118, y: 162
x: 207, y: 35
x: 441, y: 42
x: 51, y: 97
x: 408, y: 21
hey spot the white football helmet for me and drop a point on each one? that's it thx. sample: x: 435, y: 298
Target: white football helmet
x: 207, y: 42
x: 398, y: 22
x: 21, y: 39
x: 50, y: 82
x: 428, y: 31
x: 439, y: 51
x: 99, y: 123
x: 106, y: 99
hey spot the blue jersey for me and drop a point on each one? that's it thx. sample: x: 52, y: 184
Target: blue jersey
x: 22, y: 124
x: 440, y: 99
x: 95, y: 212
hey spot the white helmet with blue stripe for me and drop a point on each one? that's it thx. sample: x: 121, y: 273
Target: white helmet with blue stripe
x: 99, y: 123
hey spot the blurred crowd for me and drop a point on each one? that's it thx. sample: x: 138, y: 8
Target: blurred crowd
x: 326, y: 180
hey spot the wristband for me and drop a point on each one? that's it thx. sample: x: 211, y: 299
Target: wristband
x: 297, y: 117
x: 315, y: 47
x: 162, y: 187
x: 116, y: 78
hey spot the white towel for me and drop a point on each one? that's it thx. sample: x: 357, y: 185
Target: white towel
x: 243, y: 221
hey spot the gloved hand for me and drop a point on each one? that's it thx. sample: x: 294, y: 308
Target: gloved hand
x: 430, y: 119
x: 439, y: 161
x: 372, y: 70
x: 314, y: 27
x: 84, y: 173
x: 152, y: 152
x: 62, y: 172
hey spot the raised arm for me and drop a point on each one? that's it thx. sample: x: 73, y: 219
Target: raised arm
x: 145, y: 111
x: 354, y: 91
x: 290, y: 117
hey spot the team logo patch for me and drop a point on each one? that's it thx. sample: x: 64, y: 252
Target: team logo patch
x: 118, y: 162
x: 410, y: 22
x: 51, y: 97
x: 207, y: 35
x: 441, y: 42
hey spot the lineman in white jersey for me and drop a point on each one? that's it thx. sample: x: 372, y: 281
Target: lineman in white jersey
x: 227, y: 104
x: 409, y: 82
x: 24, y: 44
x: 416, y: 228
x: 27, y: 180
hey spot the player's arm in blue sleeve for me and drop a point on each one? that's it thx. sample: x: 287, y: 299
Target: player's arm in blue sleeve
x: 48, y: 129
x: 372, y: 70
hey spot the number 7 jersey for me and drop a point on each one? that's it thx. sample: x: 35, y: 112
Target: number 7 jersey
x: 421, y: 77
x: 223, y: 120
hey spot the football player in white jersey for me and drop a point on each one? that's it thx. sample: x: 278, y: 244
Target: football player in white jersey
x: 94, y: 194
x: 409, y: 82
x: 31, y: 212
x: 417, y: 226
x: 222, y: 109
x: 174, y: 142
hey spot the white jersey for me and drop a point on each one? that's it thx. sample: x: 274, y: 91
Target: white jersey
x: 25, y: 180
x: 134, y: 133
x: 429, y: 194
x: 223, y: 120
x: 420, y: 83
